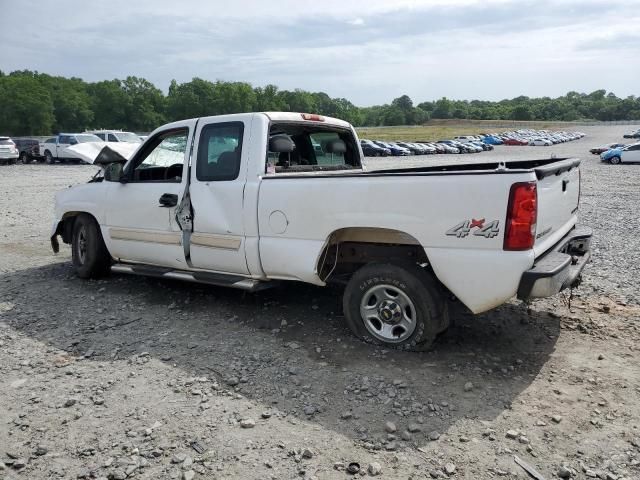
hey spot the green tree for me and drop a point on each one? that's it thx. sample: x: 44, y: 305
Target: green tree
x: 521, y: 112
x: 268, y: 99
x: 27, y: 108
x: 394, y: 116
x: 298, y: 101
x: 146, y: 104
x: 403, y: 102
x: 442, y: 108
x: 197, y: 98
x: 71, y: 104
x: 109, y: 103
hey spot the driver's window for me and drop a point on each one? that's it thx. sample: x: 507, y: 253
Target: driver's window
x: 164, y: 160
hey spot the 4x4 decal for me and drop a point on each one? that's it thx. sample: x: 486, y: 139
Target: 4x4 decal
x: 463, y: 229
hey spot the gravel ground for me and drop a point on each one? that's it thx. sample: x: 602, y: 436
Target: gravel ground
x: 117, y: 378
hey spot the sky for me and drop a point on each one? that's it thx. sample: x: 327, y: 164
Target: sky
x: 368, y: 51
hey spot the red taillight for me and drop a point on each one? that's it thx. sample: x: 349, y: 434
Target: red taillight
x: 313, y: 117
x: 522, y: 214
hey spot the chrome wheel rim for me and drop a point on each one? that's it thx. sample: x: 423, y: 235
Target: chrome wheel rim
x: 81, y: 245
x: 388, y: 313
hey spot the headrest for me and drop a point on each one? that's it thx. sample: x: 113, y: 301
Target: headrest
x: 335, y: 146
x: 281, y: 144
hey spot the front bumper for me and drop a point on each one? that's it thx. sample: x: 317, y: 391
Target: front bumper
x: 559, y: 268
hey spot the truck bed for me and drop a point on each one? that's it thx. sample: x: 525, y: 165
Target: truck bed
x: 542, y: 168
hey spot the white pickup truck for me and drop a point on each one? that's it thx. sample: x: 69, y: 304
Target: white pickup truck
x: 57, y: 148
x: 248, y: 200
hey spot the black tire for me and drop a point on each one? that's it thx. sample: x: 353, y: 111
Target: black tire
x: 89, y: 254
x: 48, y: 158
x: 614, y: 160
x: 427, y: 306
x: 24, y: 158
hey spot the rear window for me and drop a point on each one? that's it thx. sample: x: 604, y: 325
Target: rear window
x: 316, y: 148
x: 87, y: 138
x: 6, y: 141
x: 127, y: 137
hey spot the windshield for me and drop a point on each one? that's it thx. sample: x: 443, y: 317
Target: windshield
x: 127, y: 137
x: 88, y: 138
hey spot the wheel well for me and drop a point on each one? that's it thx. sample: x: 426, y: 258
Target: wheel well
x: 65, y: 226
x: 347, y: 249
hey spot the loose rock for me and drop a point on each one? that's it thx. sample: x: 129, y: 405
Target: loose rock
x: 247, y: 423
x: 390, y: 427
x: 374, y: 469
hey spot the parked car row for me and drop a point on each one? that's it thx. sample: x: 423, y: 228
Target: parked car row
x: 379, y: 148
x: 467, y: 143
x: 633, y: 134
x: 624, y: 153
x: 541, y: 138
x: 52, y: 149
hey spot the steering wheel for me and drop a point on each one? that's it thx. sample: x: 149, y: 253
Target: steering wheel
x: 173, y: 171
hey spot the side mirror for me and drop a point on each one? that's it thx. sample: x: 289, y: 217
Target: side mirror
x: 113, y: 173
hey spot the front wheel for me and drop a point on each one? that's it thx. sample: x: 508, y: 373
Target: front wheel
x: 89, y: 254
x: 48, y: 158
x: 614, y: 160
x: 399, y: 307
x: 24, y: 158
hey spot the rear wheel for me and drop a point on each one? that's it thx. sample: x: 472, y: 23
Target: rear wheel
x: 89, y: 254
x: 614, y: 160
x: 396, y: 306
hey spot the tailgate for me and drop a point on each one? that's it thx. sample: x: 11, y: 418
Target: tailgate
x: 558, y: 197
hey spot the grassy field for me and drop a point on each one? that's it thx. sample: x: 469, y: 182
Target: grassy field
x: 447, y: 129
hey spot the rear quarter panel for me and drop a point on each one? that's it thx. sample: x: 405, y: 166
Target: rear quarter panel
x: 425, y: 206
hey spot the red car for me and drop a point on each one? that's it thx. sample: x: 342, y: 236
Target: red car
x: 604, y: 148
x: 515, y: 141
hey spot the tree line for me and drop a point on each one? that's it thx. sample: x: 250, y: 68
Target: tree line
x: 35, y: 103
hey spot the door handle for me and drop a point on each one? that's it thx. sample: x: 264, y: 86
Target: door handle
x: 168, y: 200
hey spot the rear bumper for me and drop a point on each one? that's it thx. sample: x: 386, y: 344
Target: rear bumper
x: 559, y: 268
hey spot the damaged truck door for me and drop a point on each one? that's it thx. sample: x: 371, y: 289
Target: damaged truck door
x: 218, y: 175
x: 140, y: 207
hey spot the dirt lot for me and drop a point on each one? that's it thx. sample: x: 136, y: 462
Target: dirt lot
x: 116, y: 378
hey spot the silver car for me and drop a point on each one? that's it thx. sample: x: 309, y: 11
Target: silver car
x: 8, y: 151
